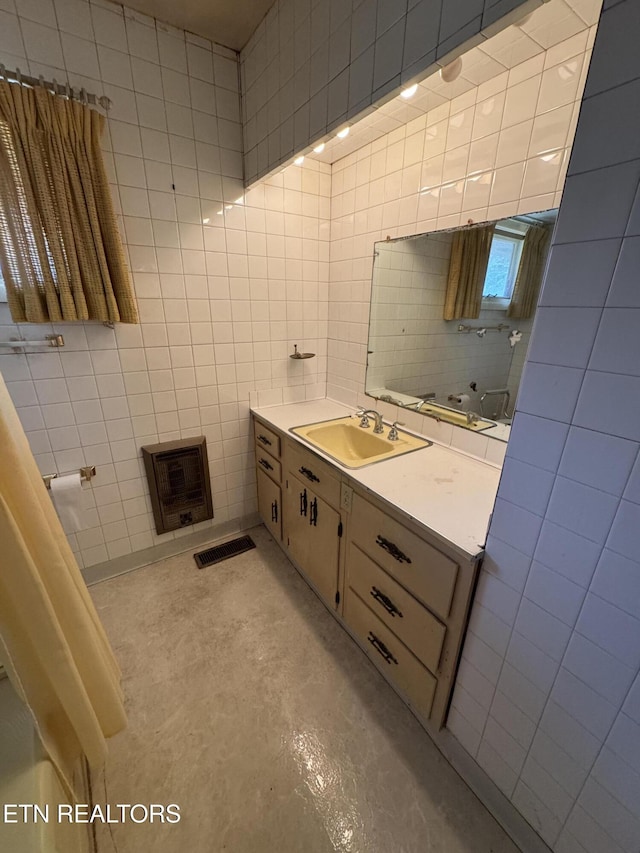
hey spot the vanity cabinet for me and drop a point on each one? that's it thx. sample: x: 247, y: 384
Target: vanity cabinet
x: 426, y: 572
x: 269, y: 478
x: 402, y: 593
x: 312, y: 536
x: 391, y: 656
x: 313, y: 527
x: 411, y: 598
x: 270, y: 504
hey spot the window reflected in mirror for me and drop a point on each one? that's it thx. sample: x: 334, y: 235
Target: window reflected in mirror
x: 502, y: 269
x: 450, y: 320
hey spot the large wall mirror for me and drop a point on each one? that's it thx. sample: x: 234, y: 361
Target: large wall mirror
x: 451, y: 315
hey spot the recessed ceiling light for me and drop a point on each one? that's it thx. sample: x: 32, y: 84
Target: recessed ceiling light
x: 319, y: 148
x: 299, y: 160
x: 452, y: 71
x: 342, y: 134
x: 409, y: 92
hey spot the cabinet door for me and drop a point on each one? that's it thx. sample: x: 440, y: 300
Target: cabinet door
x: 312, y: 537
x: 269, y: 504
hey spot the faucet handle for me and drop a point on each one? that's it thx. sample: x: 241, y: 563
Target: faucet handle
x: 393, y: 432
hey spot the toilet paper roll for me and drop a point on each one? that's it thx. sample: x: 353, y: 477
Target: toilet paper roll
x: 66, y: 494
x: 464, y: 402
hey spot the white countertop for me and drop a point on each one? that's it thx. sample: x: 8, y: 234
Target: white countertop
x: 451, y: 495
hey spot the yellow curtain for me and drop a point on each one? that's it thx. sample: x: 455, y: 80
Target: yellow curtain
x: 54, y: 646
x: 60, y: 250
x: 467, y: 270
x: 524, y: 298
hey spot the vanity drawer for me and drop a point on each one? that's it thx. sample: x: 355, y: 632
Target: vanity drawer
x: 401, y: 613
x: 390, y: 655
x: 314, y: 472
x: 267, y: 439
x: 268, y: 464
x: 423, y: 570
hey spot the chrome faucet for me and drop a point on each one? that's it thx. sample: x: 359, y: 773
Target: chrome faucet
x: 472, y: 418
x: 393, y: 432
x: 363, y: 414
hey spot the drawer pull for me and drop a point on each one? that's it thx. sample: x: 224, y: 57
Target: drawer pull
x: 392, y: 549
x: 385, y: 601
x: 313, y: 512
x: 380, y: 647
x: 309, y: 474
x: 274, y: 511
x: 265, y: 464
x: 264, y: 439
x: 303, y: 502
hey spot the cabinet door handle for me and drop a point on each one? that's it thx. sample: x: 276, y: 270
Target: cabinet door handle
x: 274, y: 511
x: 385, y: 601
x: 264, y: 439
x: 267, y: 465
x: 380, y: 647
x: 303, y: 502
x: 392, y: 549
x: 306, y: 472
x: 313, y: 512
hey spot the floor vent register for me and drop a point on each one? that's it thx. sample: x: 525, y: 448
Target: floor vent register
x: 223, y: 552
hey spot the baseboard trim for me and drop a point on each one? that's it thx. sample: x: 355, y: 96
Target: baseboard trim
x: 130, y: 562
x: 497, y: 804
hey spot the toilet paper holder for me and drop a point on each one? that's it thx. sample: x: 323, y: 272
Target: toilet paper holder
x: 87, y: 472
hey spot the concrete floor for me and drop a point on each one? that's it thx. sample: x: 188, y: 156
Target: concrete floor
x: 252, y: 709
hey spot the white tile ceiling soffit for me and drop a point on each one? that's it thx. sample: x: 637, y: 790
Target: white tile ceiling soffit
x: 551, y: 24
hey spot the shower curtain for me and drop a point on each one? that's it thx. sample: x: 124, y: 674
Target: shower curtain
x: 52, y: 642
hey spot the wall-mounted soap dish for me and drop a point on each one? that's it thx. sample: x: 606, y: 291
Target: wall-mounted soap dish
x: 296, y: 354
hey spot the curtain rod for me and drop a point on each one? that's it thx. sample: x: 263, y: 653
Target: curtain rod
x: 56, y: 88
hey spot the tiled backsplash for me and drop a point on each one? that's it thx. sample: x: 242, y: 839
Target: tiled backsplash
x: 311, y: 66
x: 226, y: 284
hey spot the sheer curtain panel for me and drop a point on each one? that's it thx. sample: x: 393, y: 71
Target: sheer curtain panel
x: 530, y: 272
x: 467, y: 270
x: 60, y: 250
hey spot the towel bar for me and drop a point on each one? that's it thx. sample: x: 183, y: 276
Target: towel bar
x: 48, y: 341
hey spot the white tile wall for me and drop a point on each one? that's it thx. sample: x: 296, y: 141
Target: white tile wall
x: 548, y: 695
x: 226, y: 282
x: 579, y: 610
x: 311, y: 66
x: 423, y: 175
